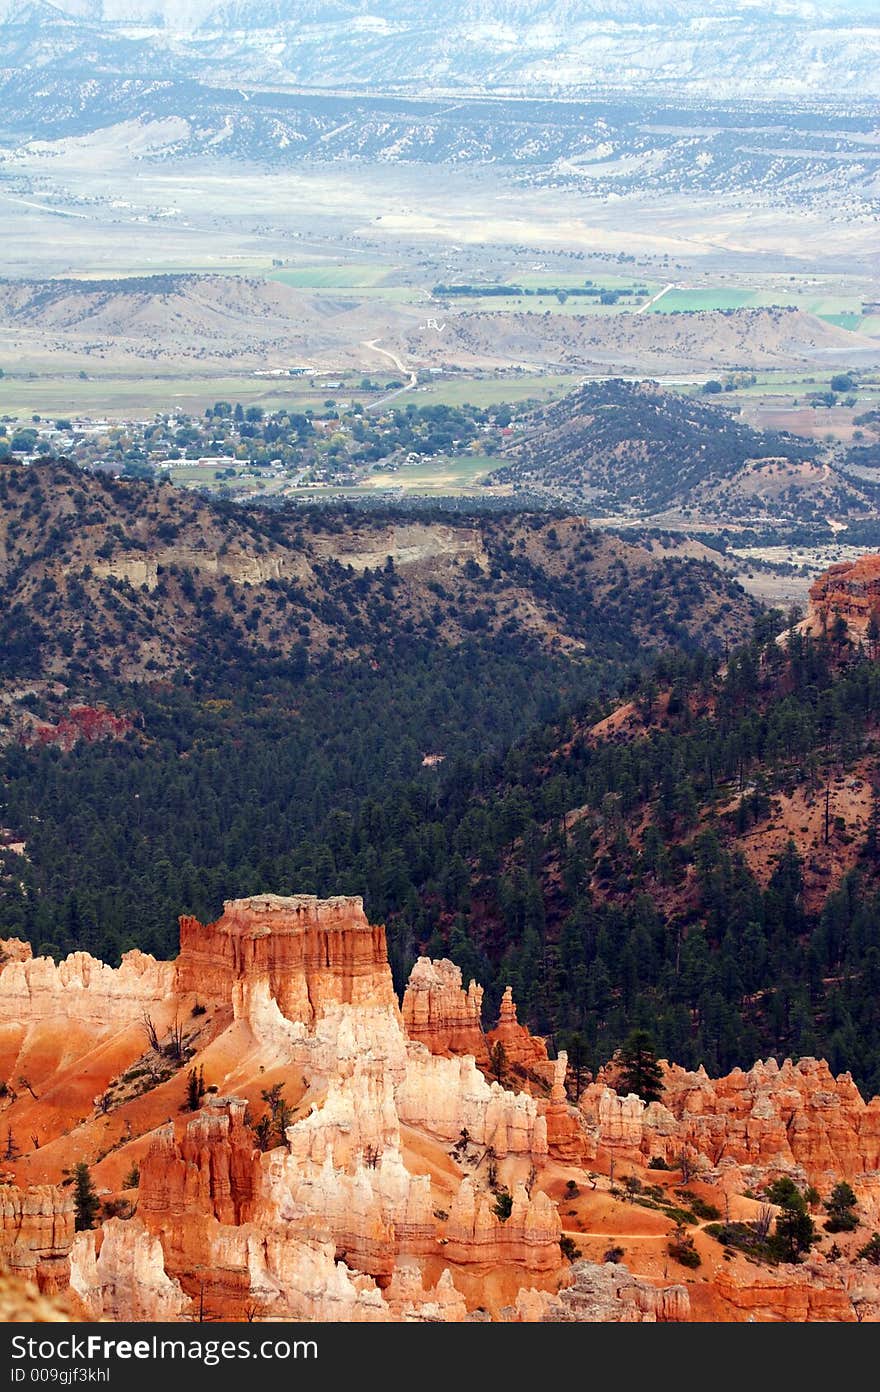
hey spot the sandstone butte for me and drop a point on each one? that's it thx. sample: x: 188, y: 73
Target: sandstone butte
x: 375, y: 1197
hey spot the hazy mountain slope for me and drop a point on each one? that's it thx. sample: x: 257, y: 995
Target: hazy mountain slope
x: 738, y: 49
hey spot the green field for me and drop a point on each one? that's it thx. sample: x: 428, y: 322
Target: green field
x: 458, y: 391
x: 843, y: 310
x: 191, y: 476
x: 605, y: 282
x: 536, y: 304
x: 337, y: 276
x: 118, y: 397
x: 127, y: 397
x: 442, y: 475
x: 692, y: 301
x: 844, y: 321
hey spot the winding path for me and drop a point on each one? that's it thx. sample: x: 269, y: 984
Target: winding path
x: 373, y: 343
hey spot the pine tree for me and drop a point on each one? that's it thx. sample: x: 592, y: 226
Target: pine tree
x: 794, y: 1231
x: 640, y: 1071
x: 841, y: 1206
x: 498, y: 1060
x: 86, y: 1201
x: 195, y: 1088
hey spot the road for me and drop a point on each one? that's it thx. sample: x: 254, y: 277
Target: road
x: 373, y: 344
x: 654, y: 298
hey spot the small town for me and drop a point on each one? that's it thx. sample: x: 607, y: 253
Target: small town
x: 236, y: 451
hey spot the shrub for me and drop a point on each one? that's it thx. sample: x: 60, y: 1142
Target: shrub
x: 681, y: 1248
x: 794, y: 1232
x: 841, y: 1205
x: 86, y: 1201
x: 679, y: 1215
x: 117, y: 1207
x: 699, y: 1206
x: 503, y: 1205
x: 569, y: 1248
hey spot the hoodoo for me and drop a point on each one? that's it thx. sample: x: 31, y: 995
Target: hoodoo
x: 304, y: 1149
x: 312, y: 953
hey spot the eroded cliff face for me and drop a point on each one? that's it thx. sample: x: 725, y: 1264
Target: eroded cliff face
x: 311, y: 953
x: 440, y: 1014
x: 850, y: 589
x: 610, y: 1294
x: 80, y: 988
x: 36, y: 1232
x: 815, y: 1290
x: 398, y: 1178
x: 522, y: 1051
x: 793, y: 1118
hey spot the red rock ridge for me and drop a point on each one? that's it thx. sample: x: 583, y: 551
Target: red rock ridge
x: 522, y: 1050
x: 380, y: 1199
x: 849, y: 588
x: 773, y: 1119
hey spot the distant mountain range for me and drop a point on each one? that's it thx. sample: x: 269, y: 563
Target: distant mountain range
x: 734, y: 50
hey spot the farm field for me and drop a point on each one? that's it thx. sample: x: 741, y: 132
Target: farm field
x: 205, y: 476
x: 693, y: 301
x: 441, y: 474
x: 535, y: 304
x: 573, y: 280
x: 343, y: 276
x: 842, y: 310
x: 127, y: 397
x: 492, y: 391
x: 136, y: 270
x: 123, y: 398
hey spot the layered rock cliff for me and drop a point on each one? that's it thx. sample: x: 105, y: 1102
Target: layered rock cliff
x: 311, y: 953
x: 850, y: 589
x: 440, y: 1014
x: 522, y: 1050
x: 611, y: 1294
x: 36, y: 1231
x: 80, y: 987
x: 352, y: 1161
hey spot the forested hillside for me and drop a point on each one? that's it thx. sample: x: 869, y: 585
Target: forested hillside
x: 442, y: 734
x: 705, y: 867
x: 617, y: 444
x: 611, y: 869
x: 102, y: 578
